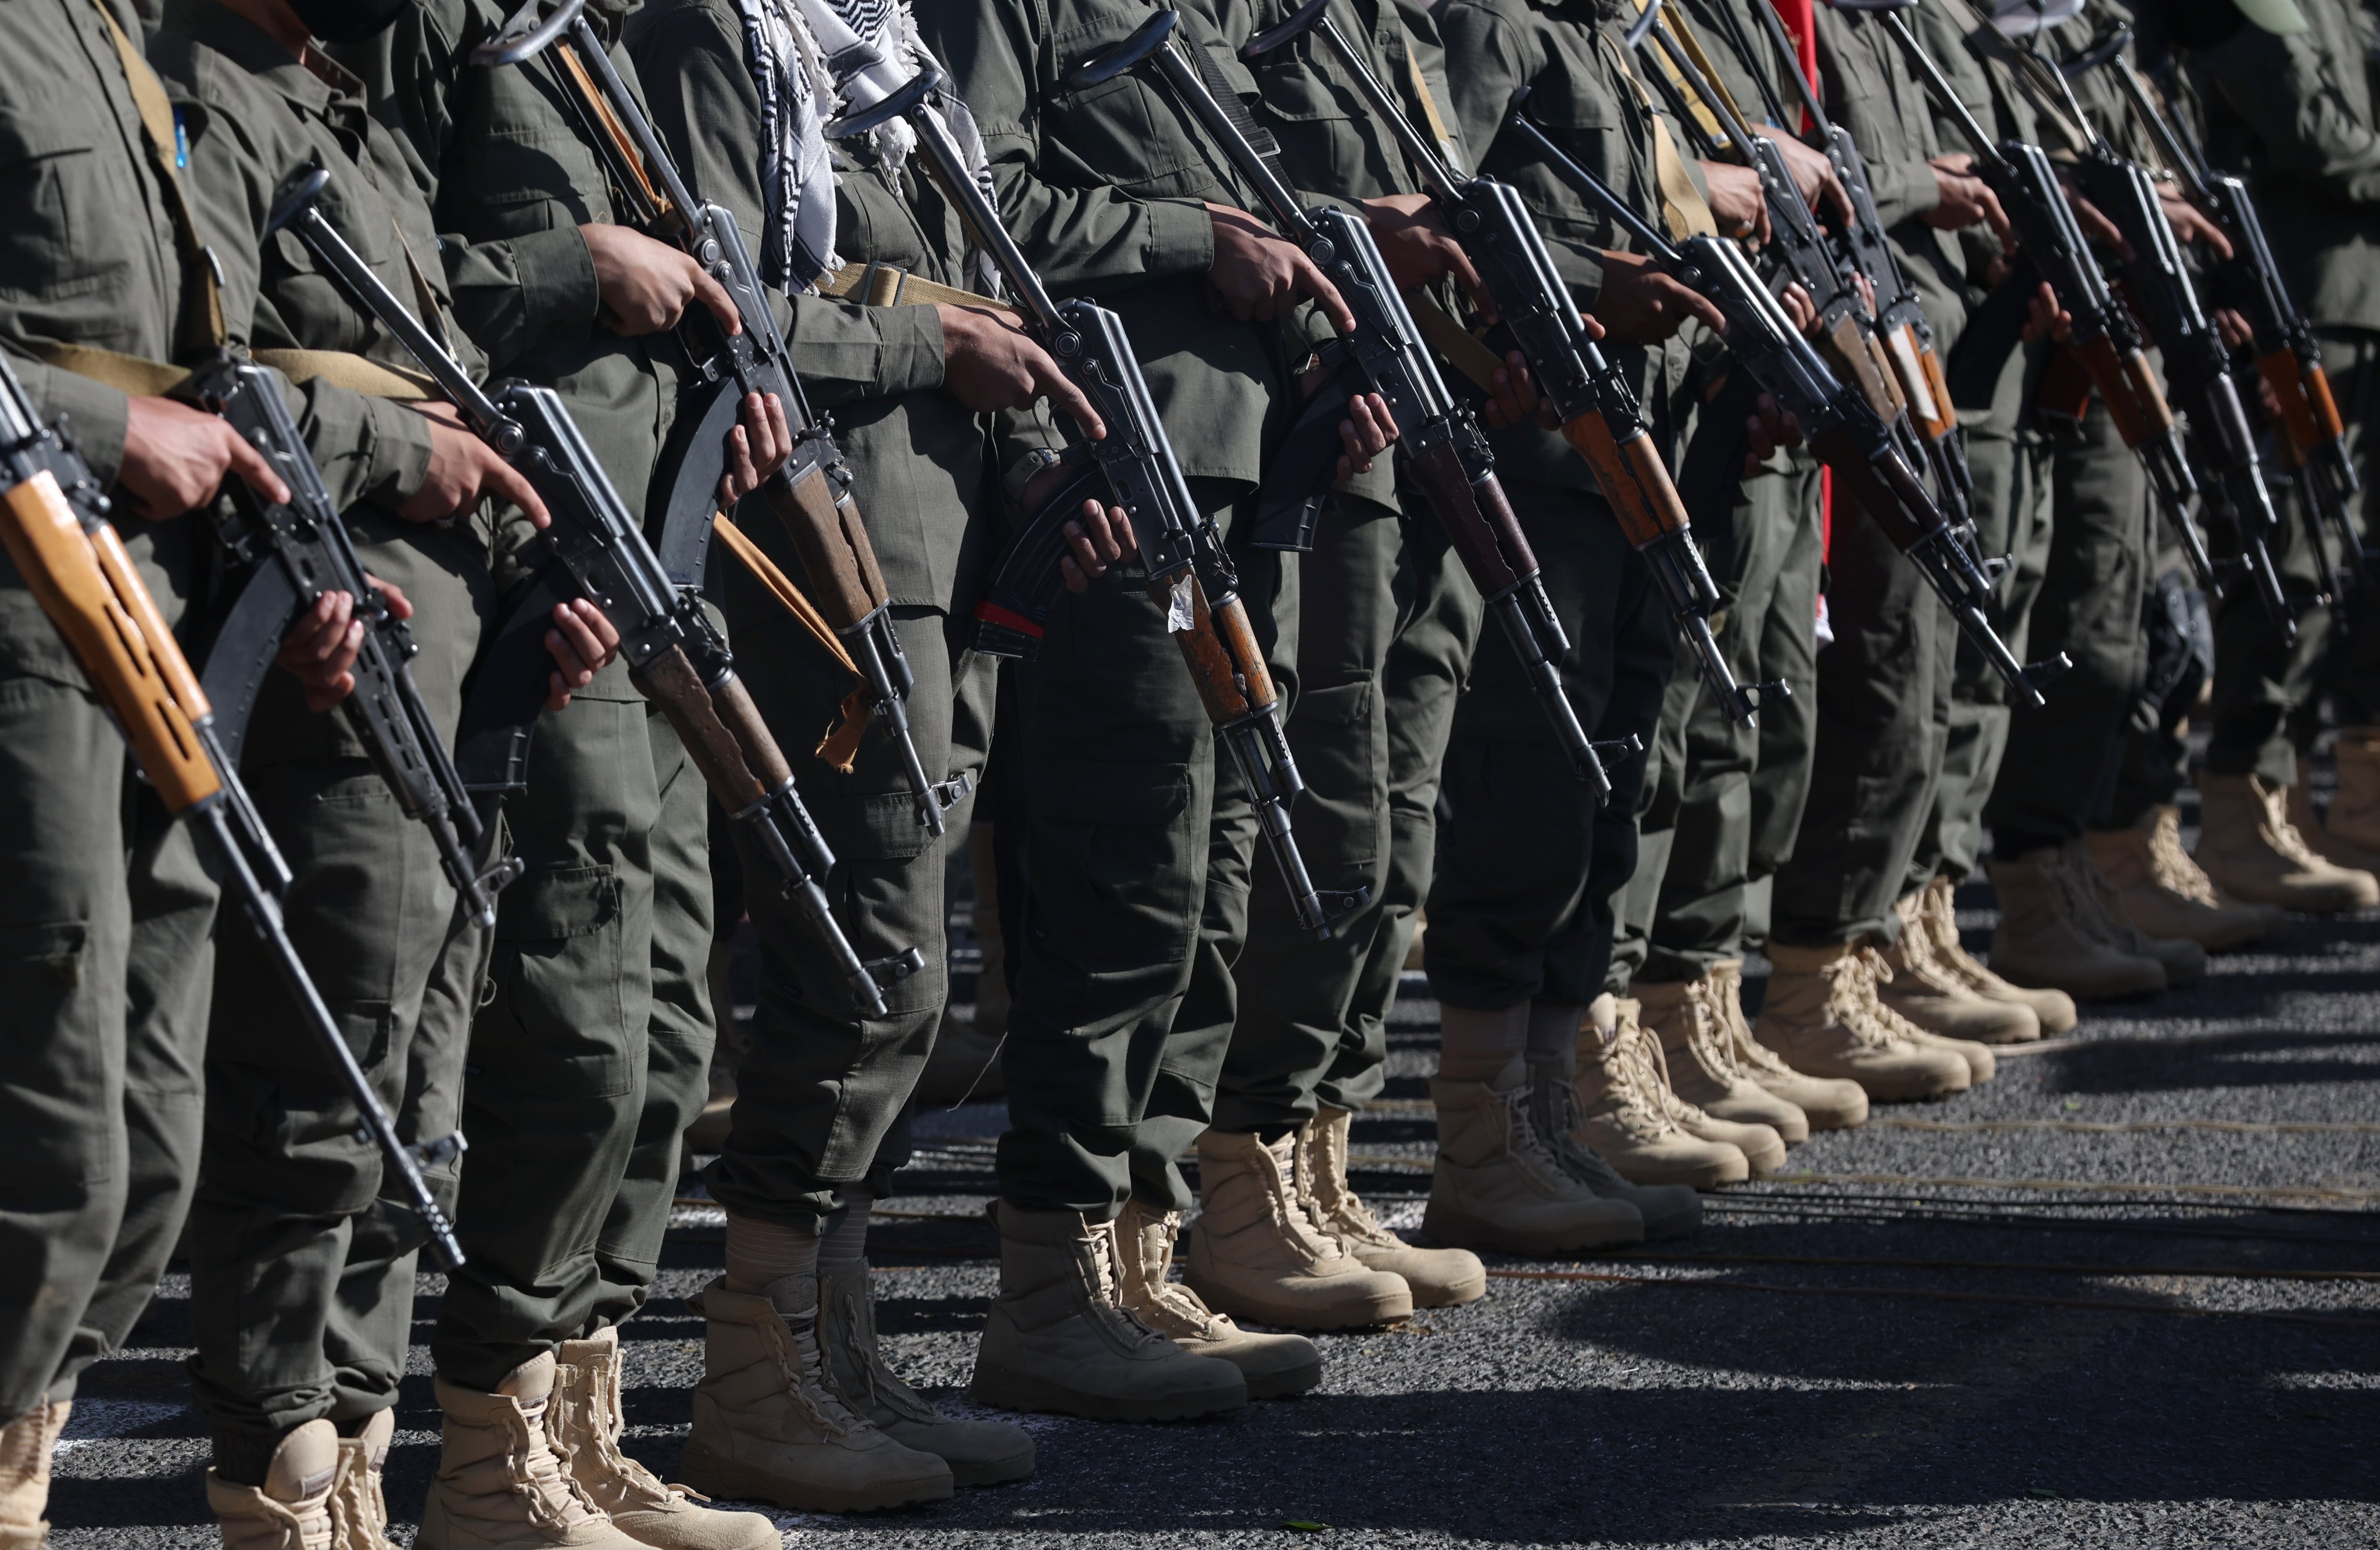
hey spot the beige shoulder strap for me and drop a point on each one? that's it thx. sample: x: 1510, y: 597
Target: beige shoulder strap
x: 342, y: 368
x: 134, y: 376
x: 203, y: 313
x: 1683, y: 209
x: 878, y: 285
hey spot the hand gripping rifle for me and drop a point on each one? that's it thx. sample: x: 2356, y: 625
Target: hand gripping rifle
x: 1600, y: 416
x: 1132, y: 466
x: 2157, y: 284
x: 2291, y: 361
x: 1386, y: 355
x: 54, y: 524
x: 2106, y: 337
x: 812, y: 493
x: 675, y: 657
x: 293, y: 553
x: 1840, y: 424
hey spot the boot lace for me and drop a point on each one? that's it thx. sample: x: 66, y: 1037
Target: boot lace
x: 359, y: 1512
x: 618, y: 1482
x: 1323, y: 1188
x: 1653, y: 1077
x: 795, y: 1350
x: 1918, y: 963
x: 1895, y: 1028
x: 2173, y: 868
x: 852, y: 1332
x: 26, y: 1446
x: 1939, y: 912
x: 1626, y: 1104
x: 553, y: 1498
x: 1288, y: 1207
x: 2285, y: 836
x: 1726, y: 989
x: 1555, y: 1114
x: 1159, y: 1302
x: 1102, y: 1282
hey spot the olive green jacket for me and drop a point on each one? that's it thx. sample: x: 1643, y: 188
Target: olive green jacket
x: 2297, y: 114
x: 918, y: 453
x: 1104, y: 189
x: 1571, y: 67
x: 252, y: 116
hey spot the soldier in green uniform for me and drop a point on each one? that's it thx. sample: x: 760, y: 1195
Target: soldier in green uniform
x: 820, y: 1116
x: 1139, y: 845
x: 591, y: 1051
x: 2288, y: 100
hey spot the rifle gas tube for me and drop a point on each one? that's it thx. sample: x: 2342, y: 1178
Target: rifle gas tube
x: 54, y: 524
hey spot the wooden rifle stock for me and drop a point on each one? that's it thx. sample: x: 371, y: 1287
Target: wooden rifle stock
x: 1633, y: 479
x: 1225, y: 662
x: 839, y: 562
x: 2127, y: 388
x: 2304, y: 394
x: 668, y: 679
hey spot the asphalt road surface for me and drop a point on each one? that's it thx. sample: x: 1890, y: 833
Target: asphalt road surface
x: 2127, y: 1294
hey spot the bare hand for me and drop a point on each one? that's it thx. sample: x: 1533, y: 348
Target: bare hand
x: 1257, y: 275
x: 320, y: 648
x: 1512, y: 395
x: 2237, y: 332
x: 1421, y: 247
x: 465, y: 470
x: 1765, y: 430
x: 1640, y: 304
x: 645, y: 285
x: 2095, y: 225
x: 1737, y: 201
x: 2191, y: 224
x: 2045, y: 318
x: 1962, y: 198
x: 175, y: 457
x: 989, y: 364
x: 1813, y: 173
x: 1798, y: 307
x: 1364, y: 434
x: 756, y: 449
x: 582, y: 644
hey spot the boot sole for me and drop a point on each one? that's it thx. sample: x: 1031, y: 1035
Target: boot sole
x: 1282, y: 1385
x: 729, y: 1481
x: 1377, y: 1312
x: 1023, y: 1391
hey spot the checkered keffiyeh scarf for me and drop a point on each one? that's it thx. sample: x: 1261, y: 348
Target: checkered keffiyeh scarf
x: 813, y: 61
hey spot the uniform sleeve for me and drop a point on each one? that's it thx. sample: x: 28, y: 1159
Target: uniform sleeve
x: 1488, y: 64
x: 2282, y: 88
x: 708, y: 111
x: 1858, y: 96
x: 92, y: 413
x: 1082, y: 232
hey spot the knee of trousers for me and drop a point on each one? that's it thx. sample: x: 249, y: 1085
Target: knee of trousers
x: 283, y: 1141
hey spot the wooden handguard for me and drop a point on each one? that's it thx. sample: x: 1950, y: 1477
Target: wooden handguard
x: 1850, y: 355
x: 2304, y: 394
x: 1855, y: 476
x: 732, y: 704
x: 2129, y: 389
x: 1939, y: 387
x: 1475, y: 530
x: 825, y: 527
x: 1225, y: 662
x: 87, y: 584
x: 669, y: 681
x: 1633, y: 479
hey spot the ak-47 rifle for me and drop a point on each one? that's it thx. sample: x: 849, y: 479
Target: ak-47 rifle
x: 2291, y: 359
x: 1840, y: 423
x: 812, y: 493
x: 54, y: 524
x: 1387, y: 354
x: 1599, y: 413
x: 1133, y: 466
x: 1901, y: 325
x: 293, y: 553
x: 675, y: 657
x: 2106, y: 337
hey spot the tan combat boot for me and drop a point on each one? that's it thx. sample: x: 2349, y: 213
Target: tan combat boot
x: 1936, y: 908
x: 26, y: 1444
x: 1699, y: 1055
x: 1624, y: 1117
x: 499, y: 1486
x: 1763, y: 1147
x: 2247, y: 845
x: 292, y: 1509
x: 979, y: 1452
x: 1255, y: 1254
x: 1819, y: 1016
x: 1828, y: 1103
x: 1932, y: 997
x: 1498, y: 1185
x: 359, y: 1507
x: 2324, y: 840
x: 2355, y: 809
x: 1058, y: 1339
x: 2184, y: 959
x: 1669, y: 1210
x: 583, y: 1424
x: 2049, y: 933
x: 1982, y: 1064
x: 1437, y: 1278
x: 2164, y: 893
x: 769, y: 1426
x: 1273, y: 1365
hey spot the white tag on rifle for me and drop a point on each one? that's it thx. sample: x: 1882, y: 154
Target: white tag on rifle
x: 1180, y: 619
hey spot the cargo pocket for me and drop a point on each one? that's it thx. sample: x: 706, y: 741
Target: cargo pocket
x: 564, y: 1020
x: 1118, y: 869
x: 51, y: 1064
x: 1341, y: 814
x: 557, y: 905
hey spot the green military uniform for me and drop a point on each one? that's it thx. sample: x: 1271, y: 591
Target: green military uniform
x: 96, y: 1119
x: 1714, y: 785
x: 284, y: 1331
x: 1140, y: 845
x: 1882, y: 684
x: 2298, y: 114
x: 821, y: 1094
x: 593, y: 1049
x: 1521, y: 909
x: 1386, y: 629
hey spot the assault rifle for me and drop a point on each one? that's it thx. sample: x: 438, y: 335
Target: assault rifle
x: 2105, y: 338
x: 675, y: 657
x: 812, y: 493
x: 1386, y: 355
x: 294, y: 552
x: 54, y: 524
x: 1600, y: 416
x: 2291, y: 361
x: 1132, y: 466
x: 1841, y: 426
